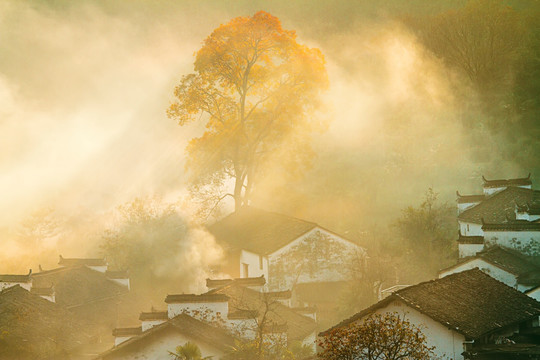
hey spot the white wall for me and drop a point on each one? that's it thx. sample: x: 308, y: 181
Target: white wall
x: 329, y: 269
x: 464, y: 206
x: 527, y: 242
x: 123, y: 282
x: 148, y: 324
x: 535, y: 294
x: 526, y: 216
x: 311, y: 341
x: 101, y: 269
x: 493, y: 271
x: 470, y: 229
x: 466, y: 250
x: 448, y: 343
x: 120, y: 339
x: 24, y: 285
x: 159, y: 347
x: 253, y: 261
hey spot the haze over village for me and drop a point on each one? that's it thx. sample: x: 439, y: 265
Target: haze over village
x: 270, y: 180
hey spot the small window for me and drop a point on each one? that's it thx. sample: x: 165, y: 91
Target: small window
x: 246, y: 269
x: 260, y: 262
x: 468, y: 228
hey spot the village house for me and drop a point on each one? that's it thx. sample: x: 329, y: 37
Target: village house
x: 232, y: 309
x: 506, y: 265
x: 259, y: 242
x: 295, y: 255
x: 9, y: 280
x: 84, y: 287
x: 506, y: 214
x: 463, y: 314
x: 34, y: 328
x: 156, y: 341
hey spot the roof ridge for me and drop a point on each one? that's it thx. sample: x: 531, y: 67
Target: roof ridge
x: 10, y: 288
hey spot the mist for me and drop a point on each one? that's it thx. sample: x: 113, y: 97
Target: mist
x: 84, y: 87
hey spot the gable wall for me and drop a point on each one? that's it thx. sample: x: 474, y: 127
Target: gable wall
x: 253, y: 262
x: 470, y: 229
x: 466, y: 250
x: 493, y: 271
x: 24, y: 285
x: 535, y: 294
x: 527, y: 242
x: 159, y: 346
x: 324, y: 268
x: 448, y: 343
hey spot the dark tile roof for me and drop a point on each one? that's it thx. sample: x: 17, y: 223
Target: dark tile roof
x: 243, y: 298
x: 512, y: 225
x: 153, y: 315
x: 466, y: 199
x: 470, y: 239
x: 242, y: 314
x: 470, y: 302
x: 507, y: 259
x: 305, y: 310
x: 281, y: 295
x: 503, y: 351
x: 183, y: 324
x: 498, y: 207
x: 275, y: 328
x: 30, y: 325
x: 77, y: 286
x: 529, y: 208
x: 320, y: 292
x: 250, y: 281
x: 192, y: 298
x: 511, y: 260
x: 80, y: 261
x: 16, y: 278
x: 48, y: 291
x: 121, y: 274
x: 134, y: 331
x: 259, y: 231
x: 531, y: 278
x: 507, y: 182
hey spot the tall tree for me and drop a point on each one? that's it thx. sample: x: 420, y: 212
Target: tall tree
x: 428, y: 232
x: 483, y: 39
x: 254, y: 87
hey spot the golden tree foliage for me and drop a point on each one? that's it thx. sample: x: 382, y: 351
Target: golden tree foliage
x: 254, y: 87
x: 378, y: 337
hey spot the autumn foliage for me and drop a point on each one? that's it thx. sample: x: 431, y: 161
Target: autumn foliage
x: 378, y: 337
x: 254, y: 87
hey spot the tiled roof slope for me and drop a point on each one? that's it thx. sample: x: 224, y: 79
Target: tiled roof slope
x: 512, y: 225
x: 78, y: 285
x: 243, y: 298
x: 464, y: 199
x: 500, y: 206
x: 470, y: 239
x: 250, y: 281
x: 16, y: 278
x: 81, y: 261
x: 34, y: 328
x: 259, y: 231
x: 470, y: 302
x: 510, y: 260
x: 183, y: 324
x: 507, y: 182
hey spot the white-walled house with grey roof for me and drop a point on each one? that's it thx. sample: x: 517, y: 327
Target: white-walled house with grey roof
x: 284, y: 249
